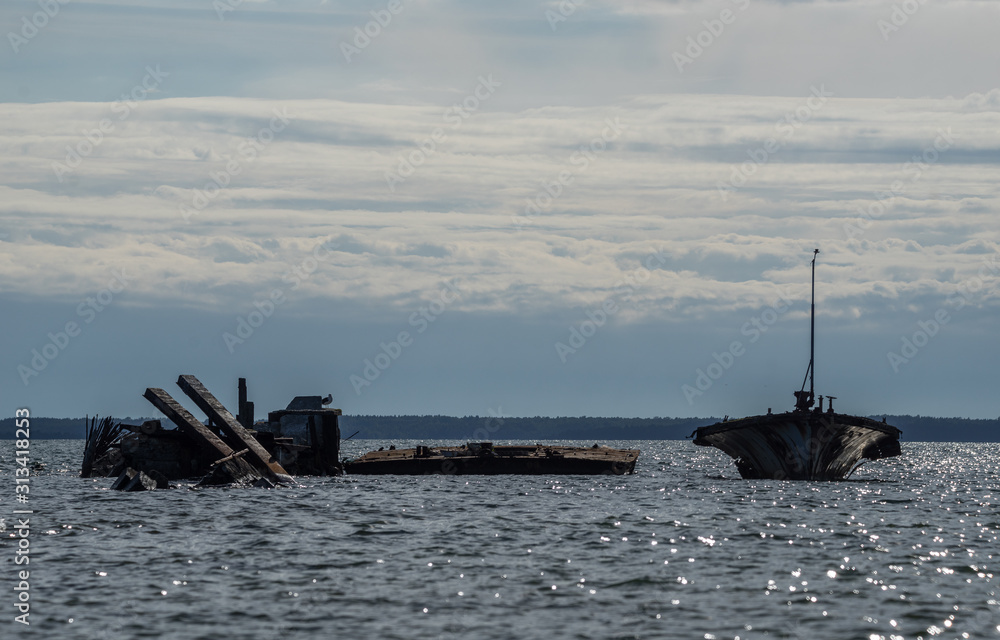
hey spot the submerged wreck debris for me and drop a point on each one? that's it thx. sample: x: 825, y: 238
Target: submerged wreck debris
x: 234, y: 469
x: 102, y: 449
x: 483, y: 458
x: 806, y: 443
x: 302, y: 439
x: 224, y: 451
x: 230, y: 427
x: 132, y: 480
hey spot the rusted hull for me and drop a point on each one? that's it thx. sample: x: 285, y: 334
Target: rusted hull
x: 526, y: 460
x: 801, y: 445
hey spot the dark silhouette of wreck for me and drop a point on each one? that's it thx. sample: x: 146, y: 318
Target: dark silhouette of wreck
x: 485, y: 458
x: 807, y: 443
x: 227, y: 450
x: 302, y: 439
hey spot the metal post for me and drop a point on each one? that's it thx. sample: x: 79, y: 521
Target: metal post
x: 803, y: 400
x: 812, y: 329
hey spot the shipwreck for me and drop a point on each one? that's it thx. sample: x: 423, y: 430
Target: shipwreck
x: 485, y: 458
x: 806, y: 443
x: 302, y: 439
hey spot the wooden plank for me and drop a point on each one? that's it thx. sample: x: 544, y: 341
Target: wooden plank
x: 258, y: 455
x: 238, y: 454
x: 202, y: 436
x: 187, y: 422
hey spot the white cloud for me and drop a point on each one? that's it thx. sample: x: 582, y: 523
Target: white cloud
x: 656, y: 185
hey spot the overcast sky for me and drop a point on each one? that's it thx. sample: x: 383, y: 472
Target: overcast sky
x: 516, y: 208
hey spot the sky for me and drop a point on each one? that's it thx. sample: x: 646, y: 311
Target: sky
x: 507, y: 209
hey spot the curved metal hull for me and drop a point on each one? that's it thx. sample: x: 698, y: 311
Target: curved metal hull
x: 801, y: 445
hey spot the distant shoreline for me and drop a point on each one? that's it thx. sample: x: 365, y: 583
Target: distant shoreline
x: 485, y: 428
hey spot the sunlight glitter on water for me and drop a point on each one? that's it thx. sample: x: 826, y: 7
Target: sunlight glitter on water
x: 907, y: 548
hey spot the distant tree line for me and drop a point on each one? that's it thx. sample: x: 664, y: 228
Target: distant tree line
x: 499, y: 429
x: 480, y: 428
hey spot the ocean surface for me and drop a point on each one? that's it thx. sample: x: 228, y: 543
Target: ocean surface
x: 908, y: 548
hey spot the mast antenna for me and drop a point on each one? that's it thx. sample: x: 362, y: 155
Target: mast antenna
x: 804, y: 400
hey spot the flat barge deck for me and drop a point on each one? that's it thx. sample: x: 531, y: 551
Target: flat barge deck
x: 486, y: 459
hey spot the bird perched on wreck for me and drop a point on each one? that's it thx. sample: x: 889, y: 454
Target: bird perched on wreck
x: 327, y: 400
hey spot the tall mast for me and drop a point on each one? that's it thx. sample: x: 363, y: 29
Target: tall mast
x: 804, y: 401
x: 812, y: 327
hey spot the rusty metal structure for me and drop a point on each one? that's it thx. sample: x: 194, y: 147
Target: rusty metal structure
x: 485, y: 458
x: 303, y: 439
x: 806, y: 443
x: 304, y: 436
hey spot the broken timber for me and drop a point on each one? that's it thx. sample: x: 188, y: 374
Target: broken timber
x: 241, y: 471
x: 231, y: 427
x: 132, y: 480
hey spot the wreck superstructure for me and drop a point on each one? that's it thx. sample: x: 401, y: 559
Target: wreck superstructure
x: 805, y: 443
x: 303, y: 439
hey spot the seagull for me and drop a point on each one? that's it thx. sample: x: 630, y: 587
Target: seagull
x: 328, y: 399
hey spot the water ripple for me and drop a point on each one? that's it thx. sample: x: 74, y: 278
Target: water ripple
x: 908, y: 548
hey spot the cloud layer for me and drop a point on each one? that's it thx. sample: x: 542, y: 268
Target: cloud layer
x: 671, y: 165
x: 214, y: 201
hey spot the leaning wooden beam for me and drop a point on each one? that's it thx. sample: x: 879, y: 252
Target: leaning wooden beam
x: 258, y: 455
x: 240, y: 470
x: 238, y: 454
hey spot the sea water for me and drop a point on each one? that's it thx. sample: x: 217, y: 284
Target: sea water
x: 684, y: 548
